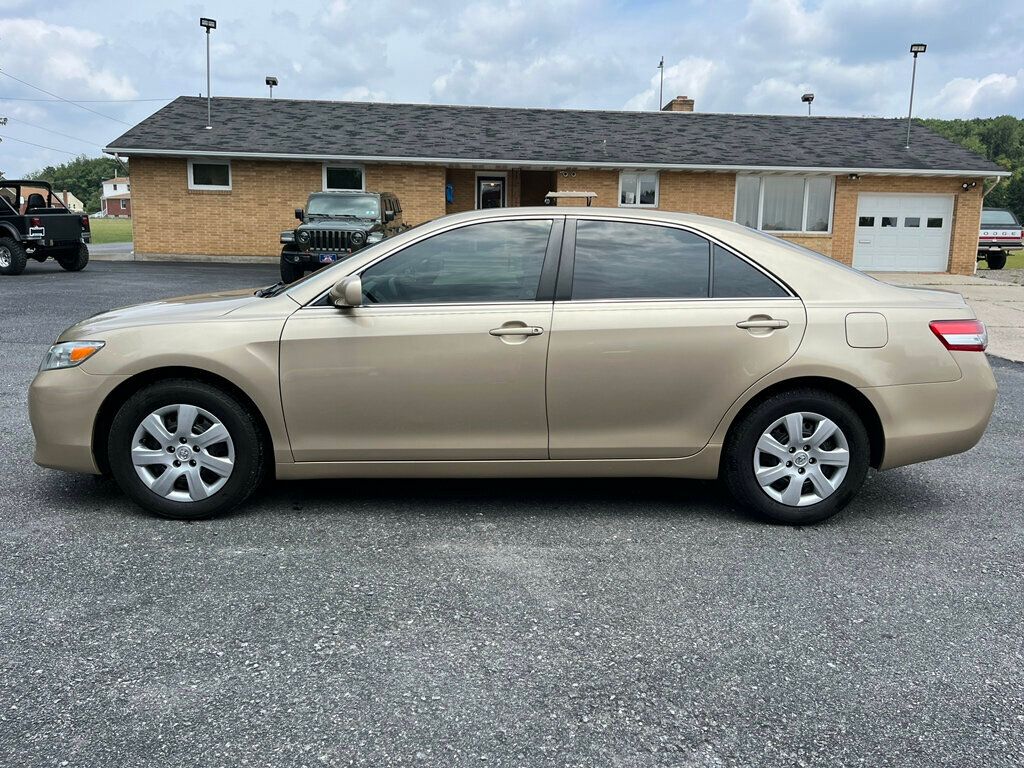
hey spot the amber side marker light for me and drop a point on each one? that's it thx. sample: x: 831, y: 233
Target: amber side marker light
x: 961, y: 335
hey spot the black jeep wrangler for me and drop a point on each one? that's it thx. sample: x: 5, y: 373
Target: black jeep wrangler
x: 35, y: 224
x: 334, y: 226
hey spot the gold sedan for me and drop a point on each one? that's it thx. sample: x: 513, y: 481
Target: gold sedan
x: 526, y: 342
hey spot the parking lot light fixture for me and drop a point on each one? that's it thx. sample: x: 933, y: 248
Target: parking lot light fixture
x: 208, y: 24
x: 915, y: 49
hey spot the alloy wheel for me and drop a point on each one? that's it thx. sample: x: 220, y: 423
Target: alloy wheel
x: 183, y: 453
x: 801, y: 459
x: 5, y: 256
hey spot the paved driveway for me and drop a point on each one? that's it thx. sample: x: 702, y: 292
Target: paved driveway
x: 600, y: 623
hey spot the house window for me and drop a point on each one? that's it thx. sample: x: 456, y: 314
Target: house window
x: 638, y: 190
x: 343, y: 177
x: 785, y: 203
x: 124, y: 205
x: 115, y: 187
x: 203, y: 174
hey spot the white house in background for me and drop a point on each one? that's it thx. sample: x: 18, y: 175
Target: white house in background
x: 69, y: 199
x: 116, y: 199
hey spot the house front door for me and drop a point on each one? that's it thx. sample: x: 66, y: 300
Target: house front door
x: 490, y: 192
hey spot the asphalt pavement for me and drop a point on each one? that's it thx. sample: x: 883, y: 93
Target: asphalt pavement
x: 498, y: 623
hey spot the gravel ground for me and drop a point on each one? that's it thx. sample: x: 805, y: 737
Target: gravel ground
x: 500, y: 623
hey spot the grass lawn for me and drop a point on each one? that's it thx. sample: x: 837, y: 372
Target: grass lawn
x: 1014, y: 260
x: 111, y: 230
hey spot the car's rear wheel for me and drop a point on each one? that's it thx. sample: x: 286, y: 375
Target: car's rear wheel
x: 291, y: 272
x: 74, y: 259
x: 185, y: 449
x: 798, y: 457
x: 12, y: 257
x: 996, y: 260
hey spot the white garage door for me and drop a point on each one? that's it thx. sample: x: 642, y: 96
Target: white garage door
x: 903, y: 233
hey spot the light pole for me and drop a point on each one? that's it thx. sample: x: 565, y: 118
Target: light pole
x: 807, y: 98
x: 271, y: 82
x: 208, y: 24
x: 915, y: 49
x: 661, y: 88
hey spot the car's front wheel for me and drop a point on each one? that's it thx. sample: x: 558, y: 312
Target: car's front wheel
x: 798, y: 457
x: 185, y: 449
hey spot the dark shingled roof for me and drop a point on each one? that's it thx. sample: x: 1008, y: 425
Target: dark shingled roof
x: 499, y: 135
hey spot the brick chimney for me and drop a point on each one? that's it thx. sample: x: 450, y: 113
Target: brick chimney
x: 679, y: 104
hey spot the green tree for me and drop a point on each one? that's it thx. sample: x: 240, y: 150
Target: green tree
x: 83, y: 176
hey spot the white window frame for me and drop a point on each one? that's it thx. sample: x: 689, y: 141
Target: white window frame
x: 124, y: 205
x: 344, y: 167
x: 209, y: 187
x: 803, y: 221
x: 639, y: 175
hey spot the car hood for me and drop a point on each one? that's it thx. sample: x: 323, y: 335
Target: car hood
x: 184, y: 309
x: 345, y: 225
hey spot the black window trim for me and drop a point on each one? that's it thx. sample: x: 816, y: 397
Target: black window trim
x: 548, y: 271
x: 563, y: 292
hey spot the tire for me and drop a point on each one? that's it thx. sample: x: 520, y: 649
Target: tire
x: 239, y: 461
x: 12, y: 257
x: 75, y: 259
x: 291, y: 272
x: 996, y: 260
x: 821, y: 465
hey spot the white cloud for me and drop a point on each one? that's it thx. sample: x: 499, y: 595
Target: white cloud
x: 964, y: 96
x: 689, y: 77
x: 62, y: 58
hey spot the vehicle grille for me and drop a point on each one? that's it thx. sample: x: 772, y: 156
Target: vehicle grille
x: 330, y: 240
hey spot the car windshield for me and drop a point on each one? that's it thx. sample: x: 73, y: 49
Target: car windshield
x: 363, y: 206
x: 991, y: 218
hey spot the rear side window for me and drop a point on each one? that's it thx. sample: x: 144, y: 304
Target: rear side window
x: 617, y: 260
x: 733, y: 278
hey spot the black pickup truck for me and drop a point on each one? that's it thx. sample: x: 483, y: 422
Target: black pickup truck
x: 35, y: 224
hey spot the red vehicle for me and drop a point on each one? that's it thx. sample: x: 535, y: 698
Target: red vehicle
x: 1000, y: 232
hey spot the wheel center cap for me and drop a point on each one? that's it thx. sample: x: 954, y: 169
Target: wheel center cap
x: 184, y: 453
x: 800, y: 458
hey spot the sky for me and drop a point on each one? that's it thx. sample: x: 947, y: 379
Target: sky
x: 125, y: 60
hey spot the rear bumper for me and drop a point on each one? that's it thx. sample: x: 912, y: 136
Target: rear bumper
x: 928, y: 421
x: 62, y: 406
x: 999, y: 245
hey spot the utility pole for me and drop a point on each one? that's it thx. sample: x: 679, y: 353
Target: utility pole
x: 915, y: 49
x: 208, y: 24
x: 661, y: 88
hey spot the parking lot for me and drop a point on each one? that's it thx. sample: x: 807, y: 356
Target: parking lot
x: 500, y: 623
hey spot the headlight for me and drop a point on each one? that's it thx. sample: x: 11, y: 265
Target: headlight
x: 303, y: 236
x: 68, y: 354
x: 358, y: 238
x: 374, y: 237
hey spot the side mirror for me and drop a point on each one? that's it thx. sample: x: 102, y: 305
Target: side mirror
x: 347, y: 292
x: 389, y: 215
x: 299, y: 214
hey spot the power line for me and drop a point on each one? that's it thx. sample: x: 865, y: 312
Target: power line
x: 58, y: 133
x: 53, y: 149
x: 61, y: 98
x: 76, y: 102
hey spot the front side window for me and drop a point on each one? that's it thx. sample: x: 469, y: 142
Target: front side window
x: 339, y: 177
x: 209, y: 175
x: 638, y: 190
x: 784, y: 203
x: 482, y: 263
x: 616, y: 260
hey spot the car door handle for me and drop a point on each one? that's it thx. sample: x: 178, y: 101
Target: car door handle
x: 517, y: 330
x: 763, y: 323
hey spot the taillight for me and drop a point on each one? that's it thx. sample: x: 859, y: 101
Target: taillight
x: 35, y: 221
x: 85, y: 223
x: 961, y: 335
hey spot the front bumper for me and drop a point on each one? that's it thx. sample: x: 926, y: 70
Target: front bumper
x: 62, y: 406
x: 929, y: 421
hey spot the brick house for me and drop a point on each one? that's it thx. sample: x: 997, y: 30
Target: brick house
x: 116, y: 199
x: 846, y: 187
